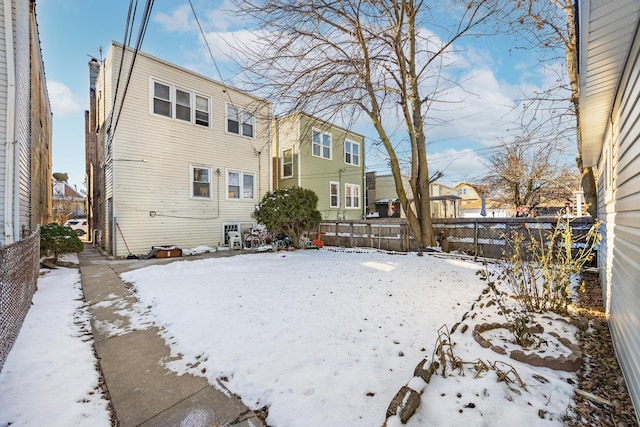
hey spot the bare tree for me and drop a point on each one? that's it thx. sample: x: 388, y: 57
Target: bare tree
x: 354, y: 57
x: 529, y: 173
x: 551, y: 26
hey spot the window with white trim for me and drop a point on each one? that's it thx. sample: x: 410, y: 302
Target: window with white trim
x: 200, y: 182
x: 321, y: 144
x: 240, y: 185
x: 351, y: 196
x: 202, y: 110
x: 180, y: 104
x: 183, y: 105
x: 334, y: 194
x: 240, y: 122
x: 161, y: 99
x: 351, y: 153
x: 287, y: 163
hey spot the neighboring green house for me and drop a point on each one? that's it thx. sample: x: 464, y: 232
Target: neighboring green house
x: 314, y: 154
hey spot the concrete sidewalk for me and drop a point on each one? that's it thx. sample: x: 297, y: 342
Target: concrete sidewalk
x: 143, y: 392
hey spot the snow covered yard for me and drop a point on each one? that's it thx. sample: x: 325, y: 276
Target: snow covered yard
x: 327, y: 338
x: 320, y: 338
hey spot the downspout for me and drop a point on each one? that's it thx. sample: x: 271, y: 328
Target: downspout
x: 10, y: 190
x: 276, y: 173
x: 270, y: 156
x: 364, y: 199
x: 299, y: 144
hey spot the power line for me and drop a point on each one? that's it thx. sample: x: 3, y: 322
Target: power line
x: 141, y: 33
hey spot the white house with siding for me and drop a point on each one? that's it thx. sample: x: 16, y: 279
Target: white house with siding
x: 25, y: 124
x: 609, y: 64
x: 185, y: 160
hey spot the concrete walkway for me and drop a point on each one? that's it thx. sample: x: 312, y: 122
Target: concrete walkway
x: 143, y: 392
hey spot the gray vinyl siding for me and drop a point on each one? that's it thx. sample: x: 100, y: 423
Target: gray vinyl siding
x: 149, y: 169
x: 620, y: 209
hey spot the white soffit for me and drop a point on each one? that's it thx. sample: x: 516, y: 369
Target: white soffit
x: 606, y: 31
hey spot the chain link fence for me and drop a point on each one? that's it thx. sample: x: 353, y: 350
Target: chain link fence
x: 19, y: 266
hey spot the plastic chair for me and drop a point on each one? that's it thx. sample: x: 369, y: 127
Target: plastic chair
x: 234, y: 239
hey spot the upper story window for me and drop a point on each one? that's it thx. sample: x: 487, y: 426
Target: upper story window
x: 202, y: 110
x: 321, y: 144
x: 239, y: 121
x: 161, y: 99
x: 200, y: 182
x: 351, y: 153
x: 180, y: 104
x: 183, y: 105
x: 240, y: 185
x: 287, y: 163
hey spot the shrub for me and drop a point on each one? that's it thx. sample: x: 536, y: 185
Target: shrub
x: 540, y: 269
x: 56, y: 240
x: 291, y: 211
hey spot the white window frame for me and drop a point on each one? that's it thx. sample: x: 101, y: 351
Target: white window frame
x: 350, y: 153
x: 192, y: 195
x: 173, y: 101
x: 177, y: 104
x: 244, y: 118
x: 196, y: 110
x: 241, y: 185
x: 321, y: 144
x: 284, y: 163
x: 335, y: 184
x: 152, y: 93
x: 349, y: 198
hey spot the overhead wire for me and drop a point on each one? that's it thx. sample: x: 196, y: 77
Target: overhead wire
x: 141, y: 33
x: 215, y: 64
x: 125, y: 41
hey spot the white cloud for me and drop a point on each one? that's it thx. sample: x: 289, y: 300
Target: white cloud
x: 63, y: 101
x: 178, y: 20
x: 457, y: 165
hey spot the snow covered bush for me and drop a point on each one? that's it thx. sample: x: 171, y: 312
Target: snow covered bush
x: 292, y: 211
x: 56, y: 240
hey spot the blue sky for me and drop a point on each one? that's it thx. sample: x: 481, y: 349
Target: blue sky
x: 73, y: 31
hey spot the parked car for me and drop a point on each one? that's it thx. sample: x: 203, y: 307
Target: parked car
x: 78, y: 225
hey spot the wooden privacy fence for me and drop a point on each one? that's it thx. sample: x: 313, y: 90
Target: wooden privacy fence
x: 391, y: 234
x: 475, y: 236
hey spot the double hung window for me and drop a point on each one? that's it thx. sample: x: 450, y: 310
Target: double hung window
x: 351, y: 196
x: 334, y: 194
x: 200, y: 182
x: 351, y: 153
x: 180, y: 104
x: 240, y: 185
x: 240, y: 122
x: 287, y: 163
x: 321, y: 144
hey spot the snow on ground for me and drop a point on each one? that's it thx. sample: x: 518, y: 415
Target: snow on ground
x: 323, y: 338
x: 49, y: 378
x: 326, y: 338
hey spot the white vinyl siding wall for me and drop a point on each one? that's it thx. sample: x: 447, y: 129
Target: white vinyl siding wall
x: 21, y: 188
x: 23, y: 113
x: 152, y: 157
x: 3, y: 122
x: 619, y: 207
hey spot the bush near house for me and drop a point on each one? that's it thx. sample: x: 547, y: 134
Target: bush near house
x: 56, y: 240
x: 292, y: 211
